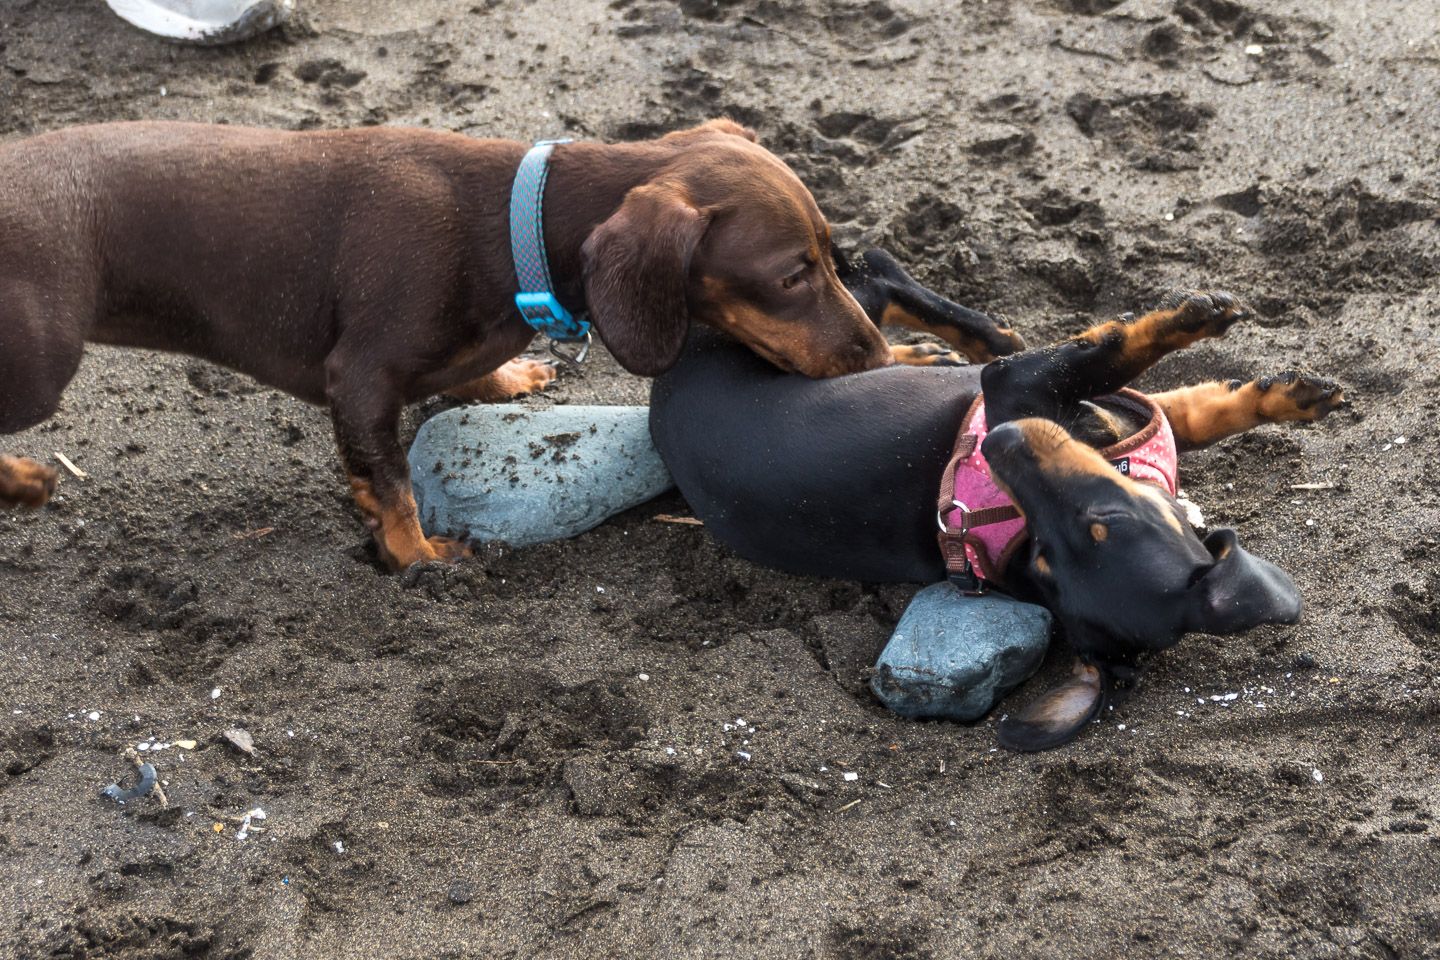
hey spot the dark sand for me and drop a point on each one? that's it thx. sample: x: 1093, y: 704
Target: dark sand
x: 479, y: 738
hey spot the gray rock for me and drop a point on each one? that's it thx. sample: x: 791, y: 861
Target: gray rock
x: 953, y: 656
x: 525, y: 476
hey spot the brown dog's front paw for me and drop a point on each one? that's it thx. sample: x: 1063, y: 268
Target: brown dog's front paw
x: 405, y: 555
x: 25, y: 483
x: 448, y: 549
x: 1204, y: 314
x: 1293, y: 396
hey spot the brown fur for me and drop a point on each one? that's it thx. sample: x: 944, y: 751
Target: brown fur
x: 367, y: 269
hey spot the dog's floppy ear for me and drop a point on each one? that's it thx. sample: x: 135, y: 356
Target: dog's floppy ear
x: 1239, y: 591
x: 1057, y: 716
x: 637, y: 264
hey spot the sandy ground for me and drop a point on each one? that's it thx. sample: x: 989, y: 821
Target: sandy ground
x: 479, y: 739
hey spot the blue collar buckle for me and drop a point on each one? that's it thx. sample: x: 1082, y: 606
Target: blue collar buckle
x: 536, y: 301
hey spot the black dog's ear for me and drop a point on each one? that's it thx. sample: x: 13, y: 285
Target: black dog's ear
x: 637, y: 264
x: 1239, y: 591
x: 1057, y: 716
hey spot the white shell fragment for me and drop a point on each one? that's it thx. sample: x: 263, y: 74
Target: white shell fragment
x: 206, y: 22
x: 241, y: 740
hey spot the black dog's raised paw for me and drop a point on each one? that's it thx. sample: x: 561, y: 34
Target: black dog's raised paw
x: 1206, y: 313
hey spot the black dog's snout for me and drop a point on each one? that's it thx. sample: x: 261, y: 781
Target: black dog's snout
x: 1003, y: 442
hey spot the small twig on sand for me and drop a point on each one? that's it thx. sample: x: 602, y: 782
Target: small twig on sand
x: 1313, y: 486
x: 75, y: 471
x: 848, y: 805
x: 253, y: 534
x: 757, y: 22
x: 671, y: 518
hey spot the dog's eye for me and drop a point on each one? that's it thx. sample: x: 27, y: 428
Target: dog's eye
x: 796, y: 278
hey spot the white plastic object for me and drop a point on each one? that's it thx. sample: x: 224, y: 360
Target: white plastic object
x: 206, y: 22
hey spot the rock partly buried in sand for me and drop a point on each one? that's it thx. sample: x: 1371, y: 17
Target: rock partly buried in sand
x: 953, y: 656
x: 206, y: 22
x: 523, y: 476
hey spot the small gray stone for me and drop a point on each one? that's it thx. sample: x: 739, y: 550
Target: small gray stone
x: 953, y: 656
x: 461, y: 893
x: 525, y: 476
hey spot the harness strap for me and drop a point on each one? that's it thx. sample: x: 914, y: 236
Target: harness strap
x: 953, y: 540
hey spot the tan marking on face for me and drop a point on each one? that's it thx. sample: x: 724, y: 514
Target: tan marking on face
x: 1055, y: 451
x: 1099, y: 532
x: 812, y: 348
x: 1042, y: 565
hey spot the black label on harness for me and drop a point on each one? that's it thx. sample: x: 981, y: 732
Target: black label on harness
x: 1123, y: 465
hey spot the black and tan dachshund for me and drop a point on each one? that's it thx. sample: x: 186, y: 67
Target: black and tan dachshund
x: 839, y: 478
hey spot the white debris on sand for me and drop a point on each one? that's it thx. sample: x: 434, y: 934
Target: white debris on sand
x: 256, y: 814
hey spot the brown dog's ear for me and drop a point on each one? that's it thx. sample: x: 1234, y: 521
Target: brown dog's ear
x: 719, y: 125
x: 637, y: 264
x: 1057, y: 716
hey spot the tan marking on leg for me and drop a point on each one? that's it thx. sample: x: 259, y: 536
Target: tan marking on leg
x: 970, y: 348
x: 1196, y: 316
x: 514, y: 378
x: 1202, y: 414
x: 25, y: 483
x: 923, y: 355
x: 396, y: 526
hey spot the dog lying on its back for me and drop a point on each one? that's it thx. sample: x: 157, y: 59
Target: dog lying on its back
x: 839, y: 478
x: 367, y: 269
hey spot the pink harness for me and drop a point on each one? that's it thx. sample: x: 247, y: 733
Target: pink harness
x: 980, y: 528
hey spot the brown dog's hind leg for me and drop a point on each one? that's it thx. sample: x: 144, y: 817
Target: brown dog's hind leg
x: 1207, y: 412
x: 514, y: 378
x: 1052, y: 381
x: 366, y: 414
x: 38, y: 357
x: 25, y: 483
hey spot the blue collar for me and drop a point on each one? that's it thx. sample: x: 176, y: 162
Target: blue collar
x: 536, y: 300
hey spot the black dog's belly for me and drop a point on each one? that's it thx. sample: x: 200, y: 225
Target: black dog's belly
x: 831, y: 478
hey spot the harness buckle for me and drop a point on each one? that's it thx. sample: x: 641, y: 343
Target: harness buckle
x: 965, y: 578
x: 942, y: 517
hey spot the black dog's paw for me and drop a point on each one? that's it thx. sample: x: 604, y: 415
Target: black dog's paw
x: 1204, y: 314
x: 1294, y: 396
x: 926, y: 355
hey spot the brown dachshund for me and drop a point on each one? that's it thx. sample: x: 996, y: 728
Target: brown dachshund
x: 366, y: 269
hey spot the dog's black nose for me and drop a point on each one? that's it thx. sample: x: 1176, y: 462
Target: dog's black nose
x: 1002, y: 442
